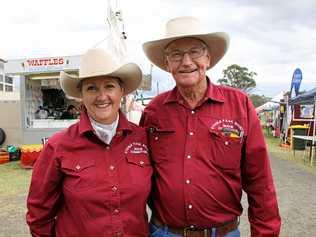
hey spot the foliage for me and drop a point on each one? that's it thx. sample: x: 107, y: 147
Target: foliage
x: 258, y: 100
x: 238, y: 77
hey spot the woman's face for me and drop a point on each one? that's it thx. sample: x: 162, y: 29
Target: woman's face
x: 102, y: 97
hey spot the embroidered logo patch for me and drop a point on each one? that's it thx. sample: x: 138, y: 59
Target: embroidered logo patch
x: 136, y: 148
x: 229, y: 128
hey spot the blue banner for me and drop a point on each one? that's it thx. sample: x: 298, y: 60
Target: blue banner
x: 296, y: 80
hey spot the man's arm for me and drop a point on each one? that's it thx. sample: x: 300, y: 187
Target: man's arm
x: 257, y: 181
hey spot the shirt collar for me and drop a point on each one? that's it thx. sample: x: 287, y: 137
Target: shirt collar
x: 213, y: 92
x: 105, y: 131
x: 85, y: 124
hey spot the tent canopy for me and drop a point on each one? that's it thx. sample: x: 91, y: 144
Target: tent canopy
x: 273, y: 104
x: 305, y: 98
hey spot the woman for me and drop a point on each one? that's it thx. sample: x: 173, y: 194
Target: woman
x: 93, y: 179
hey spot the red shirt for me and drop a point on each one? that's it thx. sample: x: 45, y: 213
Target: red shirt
x: 82, y: 187
x: 205, y: 157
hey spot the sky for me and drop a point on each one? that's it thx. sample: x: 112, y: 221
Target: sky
x: 271, y: 38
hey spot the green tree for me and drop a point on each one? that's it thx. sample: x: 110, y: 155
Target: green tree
x: 238, y: 77
x: 258, y: 100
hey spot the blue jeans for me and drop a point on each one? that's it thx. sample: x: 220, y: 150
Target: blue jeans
x: 163, y: 232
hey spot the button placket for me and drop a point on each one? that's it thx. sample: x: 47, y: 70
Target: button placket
x: 188, y: 161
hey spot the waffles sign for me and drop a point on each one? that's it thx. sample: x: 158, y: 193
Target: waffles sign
x: 44, y: 64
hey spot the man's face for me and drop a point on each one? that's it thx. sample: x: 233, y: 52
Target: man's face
x: 187, y: 60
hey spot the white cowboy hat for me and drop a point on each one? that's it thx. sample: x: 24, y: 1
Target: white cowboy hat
x: 97, y: 62
x: 183, y: 27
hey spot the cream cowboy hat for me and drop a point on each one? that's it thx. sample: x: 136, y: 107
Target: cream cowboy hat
x: 183, y: 27
x: 96, y: 62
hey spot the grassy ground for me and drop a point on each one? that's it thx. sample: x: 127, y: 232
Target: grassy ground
x: 14, y: 183
x: 279, y: 152
x: 13, y: 179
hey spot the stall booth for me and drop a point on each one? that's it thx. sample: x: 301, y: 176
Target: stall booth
x: 42, y: 101
x: 303, y: 123
x: 271, y: 114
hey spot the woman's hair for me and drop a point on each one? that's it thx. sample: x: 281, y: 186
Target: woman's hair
x: 80, y: 83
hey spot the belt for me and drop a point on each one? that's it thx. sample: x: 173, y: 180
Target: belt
x: 221, y: 230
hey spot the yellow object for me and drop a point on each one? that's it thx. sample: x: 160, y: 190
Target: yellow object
x: 305, y: 126
x: 300, y: 126
x: 31, y: 148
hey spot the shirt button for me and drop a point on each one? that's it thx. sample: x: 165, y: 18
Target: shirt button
x: 192, y: 112
x: 226, y: 143
x: 107, y: 147
x: 114, y: 188
x: 191, y: 133
x: 119, y: 234
x: 188, y: 181
x: 141, y: 162
x: 190, y: 206
x: 156, y: 138
x: 116, y: 211
x: 78, y: 167
x: 189, y: 157
x: 112, y: 167
x: 192, y: 226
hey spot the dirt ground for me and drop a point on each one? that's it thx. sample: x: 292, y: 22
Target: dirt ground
x: 296, y: 190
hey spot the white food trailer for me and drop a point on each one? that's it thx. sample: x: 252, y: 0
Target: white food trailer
x: 40, y: 91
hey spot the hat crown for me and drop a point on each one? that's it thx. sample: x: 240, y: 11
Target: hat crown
x: 182, y: 26
x: 96, y: 62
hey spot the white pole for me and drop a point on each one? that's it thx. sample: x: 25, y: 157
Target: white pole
x: 314, y: 126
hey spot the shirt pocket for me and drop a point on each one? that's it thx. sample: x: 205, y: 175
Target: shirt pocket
x: 79, y: 173
x: 139, y: 167
x: 159, y: 141
x: 226, y: 151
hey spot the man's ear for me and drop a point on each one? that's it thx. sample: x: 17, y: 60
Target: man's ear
x: 167, y: 65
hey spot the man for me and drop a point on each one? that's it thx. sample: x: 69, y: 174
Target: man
x: 69, y: 113
x: 206, y: 143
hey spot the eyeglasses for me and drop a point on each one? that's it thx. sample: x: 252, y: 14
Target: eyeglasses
x: 177, y: 55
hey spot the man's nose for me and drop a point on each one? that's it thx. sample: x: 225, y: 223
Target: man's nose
x: 186, y: 58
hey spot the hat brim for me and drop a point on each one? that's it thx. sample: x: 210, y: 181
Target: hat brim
x: 217, y: 43
x: 130, y: 74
